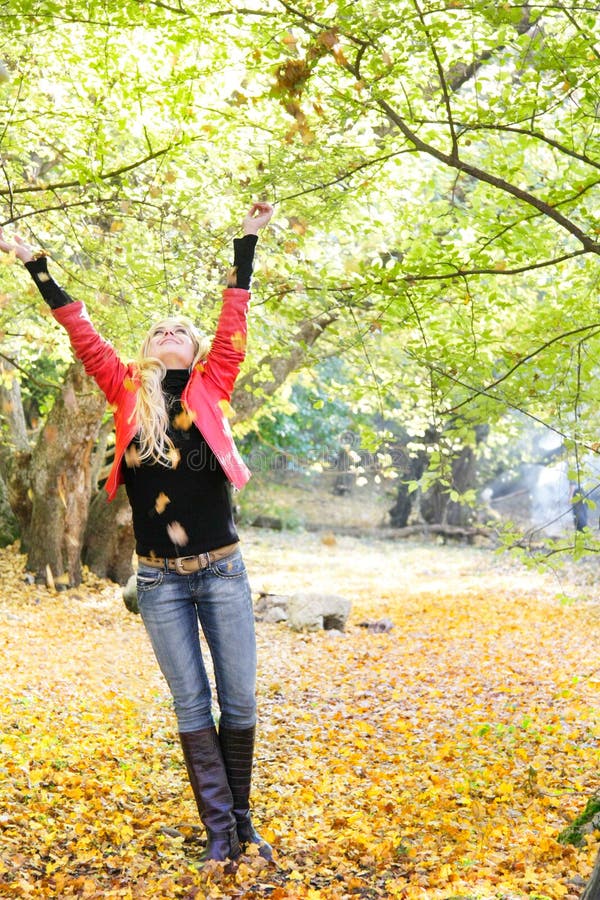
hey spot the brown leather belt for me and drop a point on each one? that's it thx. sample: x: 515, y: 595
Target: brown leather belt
x: 187, y: 565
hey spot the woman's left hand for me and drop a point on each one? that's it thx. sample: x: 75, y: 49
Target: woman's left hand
x: 257, y: 217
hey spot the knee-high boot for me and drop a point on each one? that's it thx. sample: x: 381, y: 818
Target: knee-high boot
x: 237, y: 746
x: 208, y: 778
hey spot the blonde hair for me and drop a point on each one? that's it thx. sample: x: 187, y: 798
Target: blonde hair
x: 150, y: 413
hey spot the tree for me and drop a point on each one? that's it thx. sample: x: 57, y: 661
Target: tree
x: 51, y: 484
x: 434, y: 168
x: 592, y: 888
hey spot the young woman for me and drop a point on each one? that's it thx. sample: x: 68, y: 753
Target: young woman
x: 175, y: 454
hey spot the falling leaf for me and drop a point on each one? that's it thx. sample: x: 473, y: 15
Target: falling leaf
x: 174, y: 457
x: 49, y: 578
x: 227, y: 409
x: 132, y: 456
x: 161, y: 503
x: 129, y: 384
x: 339, y: 56
x: 184, y: 420
x: 238, y: 341
x: 329, y: 38
x: 297, y: 225
x: 61, y: 488
x: 177, y: 534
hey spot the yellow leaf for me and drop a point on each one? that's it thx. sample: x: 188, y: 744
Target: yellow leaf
x: 174, y: 456
x: 177, y: 534
x: 184, y: 420
x: 161, y: 503
x: 129, y: 384
x: 227, y: 409
x: 238, y: 341
x: 132, y: 457
x: 505, y: 789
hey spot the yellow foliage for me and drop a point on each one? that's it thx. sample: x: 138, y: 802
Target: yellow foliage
x: 227, y: 409
x: 440, y: 759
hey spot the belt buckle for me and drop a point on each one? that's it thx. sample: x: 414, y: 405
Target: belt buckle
x: 178, y: 561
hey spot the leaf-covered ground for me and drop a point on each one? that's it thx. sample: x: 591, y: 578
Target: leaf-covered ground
x: 438, y: 760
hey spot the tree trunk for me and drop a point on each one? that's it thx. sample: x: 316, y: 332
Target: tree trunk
x: 592, y: 888
x: 251, y: 391
x: 60, y: 480
x: 9, y: 527
x: 109, y: 542
x: 15, y: 455
x: 11, y: 413
x: 436, y: 507
x: 410, y: 468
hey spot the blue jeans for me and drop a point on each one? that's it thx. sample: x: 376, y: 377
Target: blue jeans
x: 219, y: 599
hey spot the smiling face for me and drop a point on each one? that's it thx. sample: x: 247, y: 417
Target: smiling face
x: 172, y: 342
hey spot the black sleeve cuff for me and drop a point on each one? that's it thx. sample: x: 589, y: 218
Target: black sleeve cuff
x: 52, y: 293
x: 243, y: 260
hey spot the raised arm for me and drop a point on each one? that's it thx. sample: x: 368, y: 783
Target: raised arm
x: 97, y: 355
x: 229, y: 344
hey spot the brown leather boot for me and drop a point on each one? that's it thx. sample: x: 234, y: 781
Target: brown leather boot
x: 208, y: 778
x: 237, y: 746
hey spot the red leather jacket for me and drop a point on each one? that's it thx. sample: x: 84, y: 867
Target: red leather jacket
x: 205, y: 397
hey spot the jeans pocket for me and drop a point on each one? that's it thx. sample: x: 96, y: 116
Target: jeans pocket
x: 147, y: 580
x: 230, y: 566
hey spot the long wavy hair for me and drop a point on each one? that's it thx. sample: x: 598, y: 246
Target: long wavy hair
x: 151, y: 414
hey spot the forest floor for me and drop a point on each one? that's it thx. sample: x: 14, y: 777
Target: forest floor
x: 438, y: 760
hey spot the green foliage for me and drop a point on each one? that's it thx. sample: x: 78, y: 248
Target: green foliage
x: 434, y: 169
x: 253, y: 503
x: 289, y: 434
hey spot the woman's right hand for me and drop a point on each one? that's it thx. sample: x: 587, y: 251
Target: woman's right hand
x: 18, y: 246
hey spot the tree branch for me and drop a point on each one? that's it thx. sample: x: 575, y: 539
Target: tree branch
x: 62, y: 205
x: 460, y: 73
x: 518, y: 270
x: 322, y: 26
x: 537, y: 135
x: 526, y: 359
x: 115, y: 173
x: 505, y: 402
x: 442, y: 77
x: 242, y: 11
x: 249, y: 396
x: 453, y: 160
x: 345, y: 175
x: 488, y: 178
x: 569, y: 14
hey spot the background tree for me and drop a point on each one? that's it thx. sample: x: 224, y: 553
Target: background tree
x: 435, y: 171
